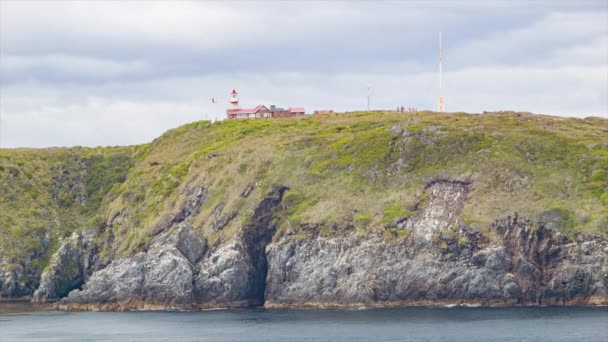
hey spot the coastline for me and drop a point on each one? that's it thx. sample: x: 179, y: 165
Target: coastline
x: 22, y: 306
x: 340, y: 325
x: 16, y: 306
x: 144, y: 306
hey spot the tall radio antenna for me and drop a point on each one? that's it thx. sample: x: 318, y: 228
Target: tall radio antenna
x: 369, y: 94
x: 0, y: 126
x: 440, y: 107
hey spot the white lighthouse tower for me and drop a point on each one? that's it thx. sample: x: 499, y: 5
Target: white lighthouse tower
x: 234, y: 99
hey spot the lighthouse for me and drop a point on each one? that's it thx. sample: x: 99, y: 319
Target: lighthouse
x: 234, y: 99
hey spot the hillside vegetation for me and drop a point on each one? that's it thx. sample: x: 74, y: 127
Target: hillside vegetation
x: 366, y: 171
x: 49, y: 193
x: 359, y: 171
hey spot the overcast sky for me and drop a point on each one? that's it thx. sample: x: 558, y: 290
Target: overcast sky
x: 114, y: 73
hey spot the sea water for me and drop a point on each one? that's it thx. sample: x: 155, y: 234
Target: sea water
x: 402, y: 324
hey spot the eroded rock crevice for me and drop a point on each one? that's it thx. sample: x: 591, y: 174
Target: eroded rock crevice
x: 256, y: 236
x: 235, y: 274
x: 551, y: 268
x: 442, y: 261
x: 179, y: 270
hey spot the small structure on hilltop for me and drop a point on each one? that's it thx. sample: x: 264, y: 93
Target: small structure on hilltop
x: 248, y: 113
x: 440, y: 103
x: 286, y: 112
x: 234, y: 99
x: 260, y: 111
x: 323, y: 111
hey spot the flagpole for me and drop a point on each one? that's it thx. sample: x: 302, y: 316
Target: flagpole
x: 213, y: 101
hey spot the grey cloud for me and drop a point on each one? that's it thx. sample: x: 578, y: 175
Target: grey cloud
x: 106, y: 73
x: 194, y: 38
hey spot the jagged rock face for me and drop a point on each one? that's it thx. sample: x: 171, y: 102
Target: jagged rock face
x: 178, y: 271
x: 555, y: 269
x: 533, y: 267
x: 162, y: 275
x: 236, y: 274
x: 439, y: 262
x: 69, y: 268
x: 20, y: 279
x: 190, y: 244
x: 347, y: 271
x: 223, y: 278
x: 10, y: 286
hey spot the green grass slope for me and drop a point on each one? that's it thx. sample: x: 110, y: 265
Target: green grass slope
x: 366, y: 171
x: 48, y: 193
x: 359, y: 172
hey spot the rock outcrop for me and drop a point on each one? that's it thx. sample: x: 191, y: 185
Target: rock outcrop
x: 349, y: 271
x: 69, y: 268
x: 178, y: 270
x: 10, y: 284
x: 531, y: 265
x: 235, y: 275
x: 161, y: 276
x: 436, y: 261
x: 383, y: 209
x: 551, y: 268
x: 19, y: 278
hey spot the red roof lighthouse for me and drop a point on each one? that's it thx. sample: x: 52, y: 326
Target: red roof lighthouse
x: 234, y: 99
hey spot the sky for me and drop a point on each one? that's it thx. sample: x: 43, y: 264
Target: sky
x: 91, y: 73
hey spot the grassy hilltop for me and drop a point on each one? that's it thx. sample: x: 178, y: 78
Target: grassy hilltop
x: 357, y: 171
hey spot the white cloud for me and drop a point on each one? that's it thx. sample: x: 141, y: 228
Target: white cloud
x: 593, y: 52
x: 564, y: 36
x: 105, y: 21
x: 61, y: 67
x: 187, y: 25
x: 98, y: 121
x: 107, y: 73
x: 35, y: 115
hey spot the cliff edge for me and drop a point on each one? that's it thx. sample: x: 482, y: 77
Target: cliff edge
x: 358, y: 209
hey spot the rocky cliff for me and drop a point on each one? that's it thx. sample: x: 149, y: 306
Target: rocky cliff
x: 360, y: 209
x: 434, y: 263
x: 45, y: 196
x: 352, y: 271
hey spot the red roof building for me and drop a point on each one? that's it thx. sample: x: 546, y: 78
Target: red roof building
x: 297, y: 111
x: 249, y: 113
x: 261, y: 111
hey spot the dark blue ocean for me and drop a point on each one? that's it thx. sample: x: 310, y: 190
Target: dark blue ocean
x: 403, y: 324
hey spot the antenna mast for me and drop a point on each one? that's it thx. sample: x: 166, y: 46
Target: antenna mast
x: 440, y: 107
x: 0, y: 128
x: 369, y: 94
